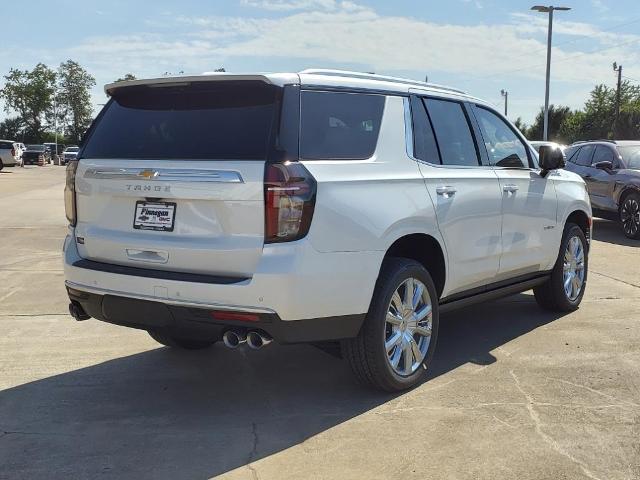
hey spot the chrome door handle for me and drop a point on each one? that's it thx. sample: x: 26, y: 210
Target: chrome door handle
x: 446, y: 191
x: 510, y: 188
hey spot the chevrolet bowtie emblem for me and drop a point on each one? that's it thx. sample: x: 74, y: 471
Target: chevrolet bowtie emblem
x: 148, y: 174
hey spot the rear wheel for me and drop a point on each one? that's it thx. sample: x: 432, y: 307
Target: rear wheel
x: 173, y: 341
x: 397, y: 340
x: 564, y: 290
x: 630, y: 216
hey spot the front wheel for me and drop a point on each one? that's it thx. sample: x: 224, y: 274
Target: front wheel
x: 564, y: 290
x: 396, y: 343
x: 178, y: 342
x: 630, y: 216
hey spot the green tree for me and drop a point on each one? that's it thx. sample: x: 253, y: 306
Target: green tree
x: 127, y: 77
x: 29, y: 93
x: 557, y: 115
x: 74, y: 98
x: 11, y: 129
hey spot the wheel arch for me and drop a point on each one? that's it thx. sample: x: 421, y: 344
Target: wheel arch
x: 424, y: 249
x: 626, y: 191
x: 582, y: 219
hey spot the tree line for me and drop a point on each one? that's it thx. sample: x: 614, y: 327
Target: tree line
x: 596, y: 120
x: 43, y: 98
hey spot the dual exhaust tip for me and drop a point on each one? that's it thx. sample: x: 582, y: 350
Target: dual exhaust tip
x: 254, y: 339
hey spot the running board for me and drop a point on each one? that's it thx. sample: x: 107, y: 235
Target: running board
x: 491, y: 294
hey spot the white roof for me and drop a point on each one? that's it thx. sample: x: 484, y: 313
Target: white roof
x: 310, y: 77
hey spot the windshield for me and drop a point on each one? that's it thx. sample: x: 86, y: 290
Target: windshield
x: 631, y: 156
x: 72, y: 149
x: 36, y: 147
x: 207, y: 120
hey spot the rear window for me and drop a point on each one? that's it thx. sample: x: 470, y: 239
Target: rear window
x: 339, y: 126
x: 207, y: 120
x: 6, y: 145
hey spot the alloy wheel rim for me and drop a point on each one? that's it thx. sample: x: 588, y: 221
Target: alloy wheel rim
x: 408, y: 327
x: 573, y: 272
x: 630, y: 216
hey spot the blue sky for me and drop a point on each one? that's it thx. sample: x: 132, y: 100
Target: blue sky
x: 481, y: 46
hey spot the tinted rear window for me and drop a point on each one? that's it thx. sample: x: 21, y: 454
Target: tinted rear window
x: 339, y: 125
x: 6, y: 145
x: 584, y: 156
x: 208, y: 120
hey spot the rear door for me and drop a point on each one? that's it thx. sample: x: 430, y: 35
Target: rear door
x: 465, y: 193
x: 171, y: 177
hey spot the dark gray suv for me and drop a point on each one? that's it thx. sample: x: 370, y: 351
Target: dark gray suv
x: 611, y: 170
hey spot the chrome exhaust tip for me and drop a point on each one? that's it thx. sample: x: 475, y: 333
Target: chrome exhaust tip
x: 257, y: 340
x: 233, y: 338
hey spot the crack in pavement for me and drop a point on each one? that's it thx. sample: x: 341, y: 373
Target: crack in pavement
x: 254, y: 451
x: 547, y: 439
x: 614, y: 278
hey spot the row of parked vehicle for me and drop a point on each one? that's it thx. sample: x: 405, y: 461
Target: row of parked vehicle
x: 17, y: 153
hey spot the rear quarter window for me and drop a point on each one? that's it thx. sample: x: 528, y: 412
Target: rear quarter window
x: 339, y: 126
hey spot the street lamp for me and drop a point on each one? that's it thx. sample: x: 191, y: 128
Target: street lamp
x: 550, y: 9
x: 505, y: 94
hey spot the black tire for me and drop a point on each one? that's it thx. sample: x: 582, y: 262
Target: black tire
x: 172, y: 341
x: 551, y: 295
x: 630, y: 216
x: 1, y: 165
x: 366, y: 353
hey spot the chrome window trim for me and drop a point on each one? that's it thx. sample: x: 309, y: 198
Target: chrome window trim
x: 164, y: 174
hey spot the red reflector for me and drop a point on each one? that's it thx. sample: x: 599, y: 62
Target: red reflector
x: 240, y: 317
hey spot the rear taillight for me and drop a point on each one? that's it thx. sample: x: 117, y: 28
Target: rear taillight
x: 290, y: 196
x: 70, y: 193
x: 13, y: 151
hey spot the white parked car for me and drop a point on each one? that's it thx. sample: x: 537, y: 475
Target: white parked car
x: 318, y: 206
x: 9, y: 154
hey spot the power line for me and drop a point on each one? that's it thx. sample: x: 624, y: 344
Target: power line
x: 630, y: 78
x: 563, y: 59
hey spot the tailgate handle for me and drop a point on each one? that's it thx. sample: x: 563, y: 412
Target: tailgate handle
x: 153, y: 256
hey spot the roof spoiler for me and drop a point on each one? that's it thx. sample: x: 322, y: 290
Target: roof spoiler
x: 279, y: 80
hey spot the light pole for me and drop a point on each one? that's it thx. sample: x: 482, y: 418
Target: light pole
x: 505, y: 94
x: 550, y: 9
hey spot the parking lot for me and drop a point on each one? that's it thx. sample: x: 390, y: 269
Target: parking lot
x: 514, y: 392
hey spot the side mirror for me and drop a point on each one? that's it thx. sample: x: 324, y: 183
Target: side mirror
x: 606, y: 166
x: 550, y: 158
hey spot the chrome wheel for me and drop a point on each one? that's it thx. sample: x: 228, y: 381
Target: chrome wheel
x: 630, y: 216
x: 573, y: 273
x: 408, y: 327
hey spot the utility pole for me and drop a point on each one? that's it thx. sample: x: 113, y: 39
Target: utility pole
x: 617, y: 68
x: 505, y: 94
x: 550, y: 9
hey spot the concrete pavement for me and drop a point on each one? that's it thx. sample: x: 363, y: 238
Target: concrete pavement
x: 514, y: 393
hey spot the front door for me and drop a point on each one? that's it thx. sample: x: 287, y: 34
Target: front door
x: 529, y: 203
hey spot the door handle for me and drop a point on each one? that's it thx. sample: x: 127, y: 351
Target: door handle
x: 510, y: 188
x: 446, y: 191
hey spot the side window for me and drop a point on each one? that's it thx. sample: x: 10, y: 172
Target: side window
x: 452, y: 132
x: 425, y: 147
x: 339, y: 125
x: 584, y: 156
x: 603, y: 154
x: 571, y: 154
x: 504, y: 147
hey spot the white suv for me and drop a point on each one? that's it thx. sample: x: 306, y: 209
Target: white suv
x: 315, y: 207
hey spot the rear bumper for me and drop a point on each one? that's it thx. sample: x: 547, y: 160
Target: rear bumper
x: 293, y: 283
x: 194, y: 322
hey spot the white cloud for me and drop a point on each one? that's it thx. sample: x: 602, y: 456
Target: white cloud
x: 328, y: 32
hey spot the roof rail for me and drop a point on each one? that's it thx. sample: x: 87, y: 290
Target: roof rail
x: 597, y: 140
x: 374, y: 76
